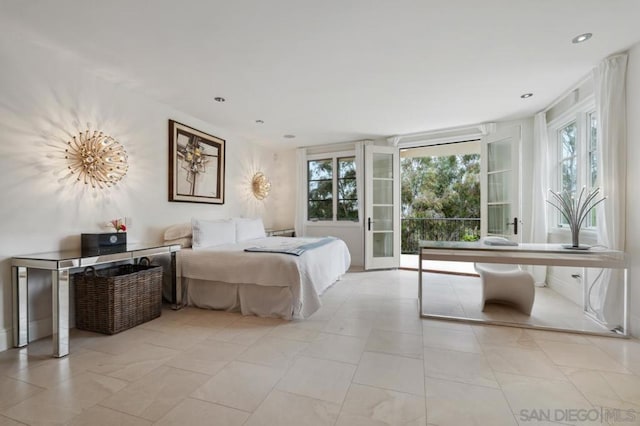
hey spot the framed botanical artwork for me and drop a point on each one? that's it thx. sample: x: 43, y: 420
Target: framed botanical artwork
x: 196, y: 165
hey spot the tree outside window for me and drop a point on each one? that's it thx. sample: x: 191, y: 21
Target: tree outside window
x: 568, y: 160
x: 330, y: 192
x: 320, y: 190
x: 577, y: 163
x: 593, y: 163
x: 347, y: 193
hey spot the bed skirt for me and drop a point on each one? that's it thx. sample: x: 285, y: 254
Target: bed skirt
x: 249, y: 299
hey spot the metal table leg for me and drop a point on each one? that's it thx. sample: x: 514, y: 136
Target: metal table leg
x: 177, y: 296
x: 20, y: 306
x: 626, y: 321
x: 420, y: 284
x: 60, y: 312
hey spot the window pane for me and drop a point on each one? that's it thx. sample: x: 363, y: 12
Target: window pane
x: 383, y: 166
x: 320, y: 210
x: 324, y: 196
x: 568, y: 163
x: 593, y: 168
x: 347, y: 189
x: 578, y: 172
x: 569, y: 175
x: 498, y: 187
x: 320, y: 169
x: 382, y: 191
x: 593, y: 150
x: 383, y: 218
x: 383, y: 244
x: 593, y: 163
x: 499, y: 156
x: 321, y: 190
x: 348, y: 210
x: 499, y: 216
x: 568, y: 139
x: 347, y: 168
x: 593, y: 134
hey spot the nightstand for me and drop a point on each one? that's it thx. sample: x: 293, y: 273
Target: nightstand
x: 283, y: 232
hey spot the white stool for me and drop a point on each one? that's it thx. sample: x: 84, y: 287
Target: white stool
x: 506, y: 284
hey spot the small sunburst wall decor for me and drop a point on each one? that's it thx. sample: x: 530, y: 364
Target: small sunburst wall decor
x: 260, y: 186
x: 96, y: 159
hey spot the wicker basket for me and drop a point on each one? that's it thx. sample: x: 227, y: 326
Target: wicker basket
x: 114, y: 299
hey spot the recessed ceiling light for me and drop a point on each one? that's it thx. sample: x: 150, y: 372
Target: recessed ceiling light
x: 526, y: 95
x: 260, y: 121
x: 289, y: 136
x: 219, y: 99
x: 581, y: 38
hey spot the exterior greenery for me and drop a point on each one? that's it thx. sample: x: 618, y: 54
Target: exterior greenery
x: 569, y: 166
x: 320, y: 191
x: 440, y: 196
x: 324, y: 189
x: 347, y: 193
x: 440, y: 199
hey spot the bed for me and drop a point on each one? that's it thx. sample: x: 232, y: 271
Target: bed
x: 219, y: 273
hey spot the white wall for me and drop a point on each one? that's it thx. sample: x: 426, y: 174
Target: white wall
x: 46, y: 96
x: 633, y: 182
x: 351, y: 234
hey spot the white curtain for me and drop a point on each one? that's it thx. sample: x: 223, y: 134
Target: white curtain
x: 606, y: 297
x: 359, y: 148
x: 540, y: 191
x: 301, y: 191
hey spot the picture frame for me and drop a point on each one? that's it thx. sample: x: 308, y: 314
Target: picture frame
x: 196, y: 165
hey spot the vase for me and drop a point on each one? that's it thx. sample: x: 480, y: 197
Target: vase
x: 575, y: 239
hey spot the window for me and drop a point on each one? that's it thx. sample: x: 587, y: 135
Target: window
x: 347, y: 194
x: 568, y: 160
x: 332, y: 196
x: 320, y: 191
x: 593, y: 163
x: 577, y: 154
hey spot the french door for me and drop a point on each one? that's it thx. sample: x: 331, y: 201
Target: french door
x: 500, y: 183
x: 382, y: 207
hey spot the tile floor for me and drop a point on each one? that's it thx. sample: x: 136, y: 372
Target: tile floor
x: 365, y: 358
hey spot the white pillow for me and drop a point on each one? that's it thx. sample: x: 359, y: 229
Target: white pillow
x: 211, y: 233
x: 181, y: 230
x: 249, y: 229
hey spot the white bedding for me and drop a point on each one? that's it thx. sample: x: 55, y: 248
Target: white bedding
x: 306, y: 276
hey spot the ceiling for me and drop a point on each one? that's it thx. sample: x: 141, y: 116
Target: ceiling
x: 337, y: 70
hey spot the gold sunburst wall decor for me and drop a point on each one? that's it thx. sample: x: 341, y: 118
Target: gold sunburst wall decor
x: 96, y: 159
x: 260, y: 186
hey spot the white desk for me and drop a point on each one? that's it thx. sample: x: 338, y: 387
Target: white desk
x: 60, y: 264
x: 523, y: 254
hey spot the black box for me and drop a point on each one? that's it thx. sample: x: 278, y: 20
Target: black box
x: 107, y: 243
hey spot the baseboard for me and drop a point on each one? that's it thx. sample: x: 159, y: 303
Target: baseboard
x: 569, y: 290
x: 634, y: 321
x: 40, y: 328
x: 6, y: 339
x: 37, y: 330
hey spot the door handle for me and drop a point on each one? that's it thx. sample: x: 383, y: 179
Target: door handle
x: 369, y: 222
x: 515, y: 225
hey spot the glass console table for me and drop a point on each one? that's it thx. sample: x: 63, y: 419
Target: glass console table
x: 60, y: 264
x: 522, y: 254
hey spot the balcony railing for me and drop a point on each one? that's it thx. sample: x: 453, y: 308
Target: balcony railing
x: 449, y: 229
